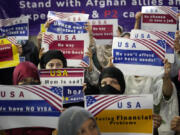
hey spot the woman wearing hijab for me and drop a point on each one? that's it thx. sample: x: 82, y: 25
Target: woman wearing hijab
x: 77, y: 121
x: 111, y: 81
x: 53, y: 59
x: 26, y: 73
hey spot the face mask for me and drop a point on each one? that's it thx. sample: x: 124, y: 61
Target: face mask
x: 108, y: 89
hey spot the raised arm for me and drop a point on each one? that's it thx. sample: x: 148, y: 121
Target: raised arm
x: 137, y: 21
x: 167, y: 84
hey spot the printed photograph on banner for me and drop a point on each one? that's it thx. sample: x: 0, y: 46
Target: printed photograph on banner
x: 161, y: 18
x: 122, y: 114
x: 104, y: 30
x: 141, y: 57
x: 15, y: 28
x: 9, y: 56
x: 73, y: 46
x: 169, y: 37
x: 30, y: 106
x: 71, y: 79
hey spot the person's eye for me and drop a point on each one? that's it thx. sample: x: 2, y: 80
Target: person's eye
x: 58, y: 65
x: 114, y: 82
x: 92, y: 126
x: 51, y: 65
x: 81, y: 132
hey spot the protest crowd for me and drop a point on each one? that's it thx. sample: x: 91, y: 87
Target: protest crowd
x: 121, y: 67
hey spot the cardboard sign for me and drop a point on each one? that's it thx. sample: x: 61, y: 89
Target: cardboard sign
x: 162, y: 18
x: 73, y: 46
x: 18, y: 28
x: 139, y: 57
x: 30, y: 106
x: 169, y: 37
x: 122, y: 114
x: 104, y: 30
x: 9, y: 56
x: 67, y: 23
x: 71, y: 80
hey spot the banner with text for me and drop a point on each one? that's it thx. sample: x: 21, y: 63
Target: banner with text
x: 71, y: 78
x: 122, y: 114
x: 162, y: 18
x: 9, y: 56
x: 15, y: 28
x: 30, y: 106
x: 169, y: 37
x: 73, y: 46
x: 104, y: 30
x: 141, y: 57
x: 123, y: 10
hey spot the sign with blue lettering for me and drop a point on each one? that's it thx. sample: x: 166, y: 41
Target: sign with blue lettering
x: 169, y: 37
x: 67, y: 23
x: 140, y: 57
x: 30, y: 106
x: 18, y: 28
x: 122, y: 114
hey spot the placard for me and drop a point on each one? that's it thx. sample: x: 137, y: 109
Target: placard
x: 122, y: 114
x: 169, y: 37
x: 162, y: 18
x: 30, y: 106
x: 139, y: 57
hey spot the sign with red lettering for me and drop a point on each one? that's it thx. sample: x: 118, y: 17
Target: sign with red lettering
x: 73, y: 46
x: 159, y: 18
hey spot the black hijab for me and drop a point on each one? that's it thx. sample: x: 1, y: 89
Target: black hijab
x: 112, y: 72
x: 52, y: 54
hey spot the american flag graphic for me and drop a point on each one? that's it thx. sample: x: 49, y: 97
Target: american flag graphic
x: 85, y: 61
x: 169, y: 10
x: 12, y: 40
x: 97, y: 103
x: 53, y: 95
x: 58, y: 15
x: 168, y: 36
x: 62, y: 15
x: 158, y: 47
x: 48, y: 38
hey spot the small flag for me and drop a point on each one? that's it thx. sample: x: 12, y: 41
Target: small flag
x: 85, y: 61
